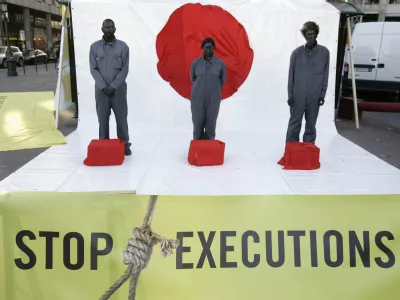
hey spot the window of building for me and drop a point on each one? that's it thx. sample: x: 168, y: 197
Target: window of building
x: 368, y: 2
x: 19, y: 18
x: 39, y: 22
x: 56, y: 24
x: 370, y: 18
x: 392, y: 19
x: 394, y: 1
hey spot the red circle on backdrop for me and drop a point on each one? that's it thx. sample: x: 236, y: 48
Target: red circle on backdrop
x: 179, y: 43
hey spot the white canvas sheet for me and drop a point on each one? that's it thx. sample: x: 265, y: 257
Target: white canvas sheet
x: 273, y: 28
x: 252, y: 122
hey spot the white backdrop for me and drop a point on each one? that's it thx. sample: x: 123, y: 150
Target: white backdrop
x: 273, y: 28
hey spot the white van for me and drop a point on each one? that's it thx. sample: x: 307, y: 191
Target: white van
x: 376, y: 49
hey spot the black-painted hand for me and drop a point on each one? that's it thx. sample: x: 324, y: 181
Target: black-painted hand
x: 321, y: 101
x: 105, y: 91
x: 290, y: 102
x: 111, y: 90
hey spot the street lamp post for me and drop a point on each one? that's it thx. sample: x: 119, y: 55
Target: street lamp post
x: 11, y: 62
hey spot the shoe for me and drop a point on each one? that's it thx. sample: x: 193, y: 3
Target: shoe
x: 128, y: 151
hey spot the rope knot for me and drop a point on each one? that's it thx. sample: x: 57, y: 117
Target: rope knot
x: 138, y: 252
x: 140, y: 248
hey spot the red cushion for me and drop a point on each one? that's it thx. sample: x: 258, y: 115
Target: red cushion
x: 109, y: 152
x: 206, y: 153
x: 300, y: 156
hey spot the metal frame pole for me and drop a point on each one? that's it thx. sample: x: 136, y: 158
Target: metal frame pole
x: 7, y: 38
x: 1, y: 27
x: 353, y: 79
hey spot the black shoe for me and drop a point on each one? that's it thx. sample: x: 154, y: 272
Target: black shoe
x: 128, y: 151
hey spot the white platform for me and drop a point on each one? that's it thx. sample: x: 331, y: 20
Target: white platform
x: 159, y: 165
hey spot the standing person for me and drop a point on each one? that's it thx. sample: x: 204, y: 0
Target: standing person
x: 307, y: 84
x: 208, y: 75
x: 109, y: 66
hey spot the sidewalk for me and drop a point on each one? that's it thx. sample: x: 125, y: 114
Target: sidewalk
x: 379, y: 134
x: 381, y: 119
x: 31, y: 81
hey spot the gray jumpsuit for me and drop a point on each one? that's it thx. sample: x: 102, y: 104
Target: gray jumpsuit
x: 208, y: 79
x: 307, y: 83
x: 109, y: 65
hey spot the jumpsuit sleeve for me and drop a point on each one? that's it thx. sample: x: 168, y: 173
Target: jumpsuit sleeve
x: 121, y: 77
x: 193, y: 72
x: 223, y: 74
x: 291, y: 74
x: 98, y: 79
x: 326, y: 76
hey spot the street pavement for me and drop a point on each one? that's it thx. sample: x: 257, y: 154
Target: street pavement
x: 379, y: 133
x: 42, y: 81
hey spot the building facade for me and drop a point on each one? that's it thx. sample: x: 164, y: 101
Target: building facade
x: 378, y: 10
x: 31, y: 24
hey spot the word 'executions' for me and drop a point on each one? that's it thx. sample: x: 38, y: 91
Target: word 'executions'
x: 298, y: 248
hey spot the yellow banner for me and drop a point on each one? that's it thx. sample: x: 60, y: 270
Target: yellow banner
x: 27, y: 121
x: 60, y: 246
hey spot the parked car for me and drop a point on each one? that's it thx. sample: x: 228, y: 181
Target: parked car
x: 19, y: 57
x: 376, y: 49
x: 35, y: 56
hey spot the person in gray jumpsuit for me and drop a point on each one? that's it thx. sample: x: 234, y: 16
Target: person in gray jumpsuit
x: 307, y: 84
x: 208, y: 75
x: 109, y: 66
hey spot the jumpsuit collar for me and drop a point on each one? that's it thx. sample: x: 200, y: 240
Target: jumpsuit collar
x: 305, y: 47
x: 109, y: 43
x: 212, y: 60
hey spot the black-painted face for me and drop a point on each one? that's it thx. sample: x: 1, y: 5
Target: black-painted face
x: 311, y: 37
x: 208, y: 50
x: 108, y: 30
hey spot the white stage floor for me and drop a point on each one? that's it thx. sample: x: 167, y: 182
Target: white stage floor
x: 158, y: 165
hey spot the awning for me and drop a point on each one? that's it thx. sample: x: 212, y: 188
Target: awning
x: 347, y: 9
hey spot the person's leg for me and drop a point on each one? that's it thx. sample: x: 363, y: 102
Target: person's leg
x: 198, y: 117
x: 294, y: 126
x: 311, y: 115
x: 212, y: 111
x: 103, y: 109
x: 120, y: 108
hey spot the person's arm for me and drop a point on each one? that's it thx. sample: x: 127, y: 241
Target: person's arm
x: 193, y: 72
x: 98, y: 79
x: 223, y: 74
x: 326, y: 75
x: 291, y: 74
x: 121, y: 77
